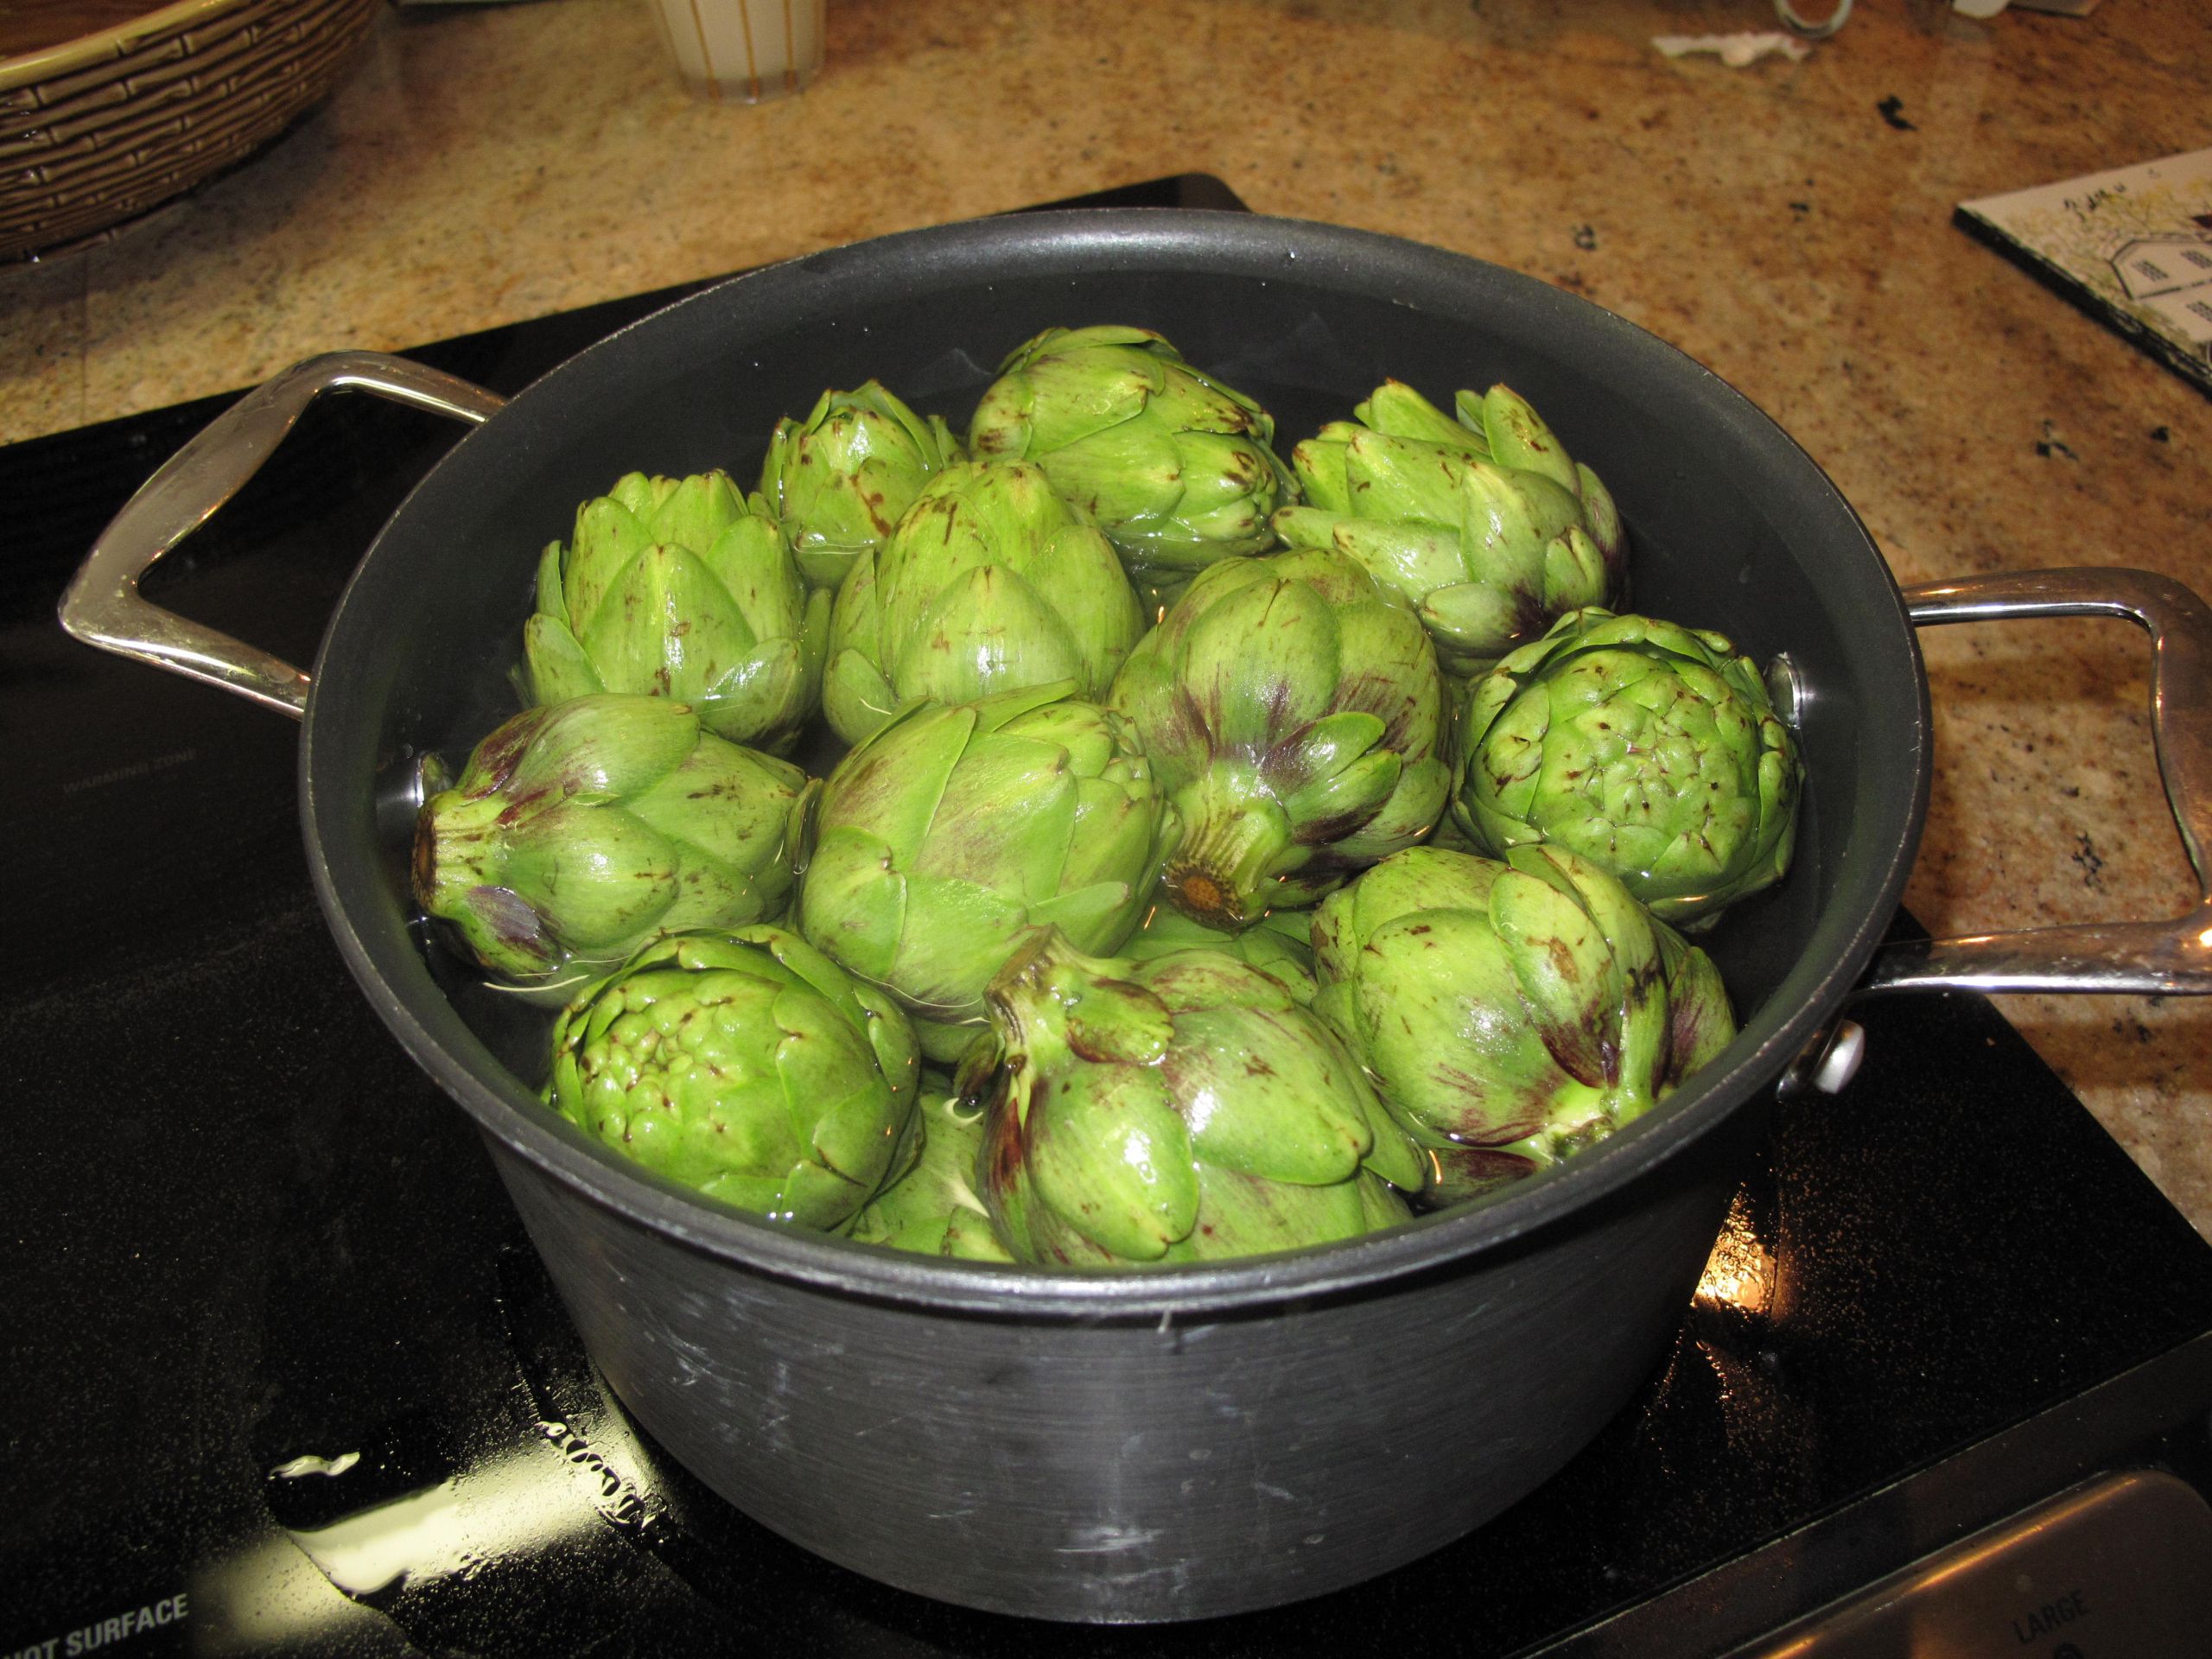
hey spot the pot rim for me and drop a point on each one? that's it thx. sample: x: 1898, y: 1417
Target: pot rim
x: 1849, y: 927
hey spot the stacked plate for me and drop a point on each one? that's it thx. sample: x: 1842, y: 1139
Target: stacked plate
x: 120, y: 112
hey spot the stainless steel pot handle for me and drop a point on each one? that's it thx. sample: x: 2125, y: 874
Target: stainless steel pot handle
x: 2145, y: 957
x: 102, y: 607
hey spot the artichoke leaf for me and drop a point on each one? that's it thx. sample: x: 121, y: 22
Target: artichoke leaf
x: 1331, y: 808
x: 1246, y: 1215
x: 801, y: 965
x: 1096, y: 918
x: 1576, y: 574
x: 854, y: 903
x: 1379, y: 1202
x: 1260, y: 1102
x: 708, y: 890
x: 986, y: 631
x: 696, y: 511
x: 667, y: 625
x: 894, y: 781
x: 817, y: 1196
x: 507, y: 935
x: 857, y: 699
x: 1113, y: 833
x: 1204, y: 976
x: 762, y: 698
x: 1070, y: 400
x: 892, y: 1039
x: 1437, y: 1011
x: 1395, y: 1154
x: 601, y: 748
x: 1569, y: 980
x: 551, y: 602
x: 1390, y: 670
x: 1319, y: 464
x: 1507, y: 517
x: 1112, y: 1160
x: 1475, y: 623
x: 1015, y: 807
x: 1261, y: 663
x: 957, y: 935
x: 1395, y: 407
x: 1320, y: 750
x: 1404, y: 478
x: 1701, y: 1022
x: 557, y: 667
x: 609, y: 874
x: 1519, y: 438
x: 1132, y: 470
x: 727, y: 802
x: 606, y: 539
x: 1514, y: 755
x: 1602, y: 516
x: 1414, y: 807
x: 1407, y: 560
x: 1628, y: 930
x: 751, y: 561
x: 828, y: 1078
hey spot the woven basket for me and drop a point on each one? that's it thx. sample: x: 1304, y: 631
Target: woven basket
x: 99, y: 129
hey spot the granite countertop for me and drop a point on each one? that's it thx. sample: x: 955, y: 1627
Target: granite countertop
x: 1788, y: 223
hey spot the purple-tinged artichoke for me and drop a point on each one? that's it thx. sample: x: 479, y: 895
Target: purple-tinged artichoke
x: 580, y: 830
x: 1483, y: 524
x: 1291, y: 710
x: 1512, y: 1013
x: 1178, y: 1110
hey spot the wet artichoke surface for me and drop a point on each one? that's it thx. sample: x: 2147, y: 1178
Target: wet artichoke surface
x: 1264, y: 849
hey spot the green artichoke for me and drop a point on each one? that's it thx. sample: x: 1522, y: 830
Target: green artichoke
x: 1651, y: 749
x: 1291, y: 711
x: 1278, y: 944
x: 838, y: 481
x: 683, y: 589
x: 1483, y: 524
x: 1178, y: 1110
x: 988, y: 583
x: 744, y: 1065
x: 1512, y: 1013
x: 932, y: 1209
x: 937, y: 842
x: 1179, y: 469
x: 578, y: 831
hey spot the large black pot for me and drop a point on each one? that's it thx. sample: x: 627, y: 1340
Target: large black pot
x: 1194, y: 1441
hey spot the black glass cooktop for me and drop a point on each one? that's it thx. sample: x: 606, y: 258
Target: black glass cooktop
x: 285, y: 1377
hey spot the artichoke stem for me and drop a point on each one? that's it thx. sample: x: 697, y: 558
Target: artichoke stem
x: 1031, y: 994
x: 1052, y: 1000
x: 1227, y: 861
x: 454, y: 837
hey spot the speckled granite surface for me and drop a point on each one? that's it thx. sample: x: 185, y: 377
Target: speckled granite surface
x: 1787, y: 225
